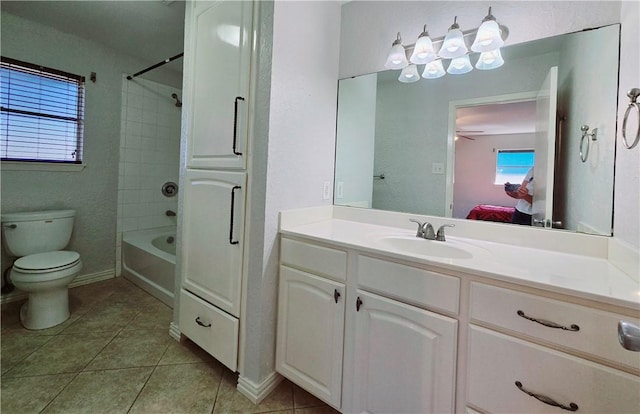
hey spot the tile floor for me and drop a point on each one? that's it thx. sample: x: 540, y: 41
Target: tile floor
x: 114, y: 355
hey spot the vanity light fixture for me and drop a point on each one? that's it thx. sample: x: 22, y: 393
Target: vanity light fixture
x: 453, y: 45
x: 397, y: 58
x: 409, y: 74
x: 488, y: 39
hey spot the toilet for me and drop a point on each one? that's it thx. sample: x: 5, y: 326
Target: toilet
x: 43, y: 270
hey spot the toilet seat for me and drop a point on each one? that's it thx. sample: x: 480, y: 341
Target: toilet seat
x: 47, y: 262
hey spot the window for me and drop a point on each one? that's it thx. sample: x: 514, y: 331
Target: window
x: 513, y: 165
x: 42, y: 114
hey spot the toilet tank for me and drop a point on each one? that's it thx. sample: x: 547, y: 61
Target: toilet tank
x: 33, y: 232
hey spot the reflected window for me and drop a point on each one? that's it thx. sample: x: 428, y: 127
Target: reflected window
x: 513, y: 165
x: 42, y: 113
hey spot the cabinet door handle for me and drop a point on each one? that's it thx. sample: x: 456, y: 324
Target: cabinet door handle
x: 358, y: 304
x: 336, y: 295
x: 572, y: 328
x: 233, y: 201
x: 199, y: 322
x: 547, y: 400
x: 235, y: 124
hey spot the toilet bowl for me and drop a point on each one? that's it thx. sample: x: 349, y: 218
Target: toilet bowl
x: 43, y: 269
x: 46, y: 277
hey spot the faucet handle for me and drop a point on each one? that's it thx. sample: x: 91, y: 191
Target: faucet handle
x: 420, y: 232
x: 440, y: 235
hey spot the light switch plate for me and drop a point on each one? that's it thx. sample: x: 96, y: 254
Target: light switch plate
x: 326, y: 190
x: 340, y: 189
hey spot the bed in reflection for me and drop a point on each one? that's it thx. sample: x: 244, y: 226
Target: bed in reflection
x: 488, y: 212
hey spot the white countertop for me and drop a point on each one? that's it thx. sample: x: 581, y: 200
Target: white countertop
x: 593, y: 278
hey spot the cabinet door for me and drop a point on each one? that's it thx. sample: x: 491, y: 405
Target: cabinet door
x: 404, y: 358
x: 218, y: 71
x: 310, y: 333
x: 212, y: 233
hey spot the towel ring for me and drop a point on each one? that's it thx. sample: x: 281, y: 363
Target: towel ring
x: 633, y: 97
x: 584, y: 154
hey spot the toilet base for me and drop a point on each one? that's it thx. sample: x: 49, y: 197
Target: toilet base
x: 45, y: 309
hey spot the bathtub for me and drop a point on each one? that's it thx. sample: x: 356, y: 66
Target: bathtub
x: 149, y: 261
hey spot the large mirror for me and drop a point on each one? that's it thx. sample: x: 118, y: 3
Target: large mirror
x: 446, y: 146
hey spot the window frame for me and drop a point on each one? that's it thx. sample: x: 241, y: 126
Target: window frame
x: 77, y: 118
x: 518, y: 150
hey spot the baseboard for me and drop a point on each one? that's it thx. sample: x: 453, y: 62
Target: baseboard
x: 78, y: 281
x: 174, y: 331
x: 625, y: 257
x: 258, y: 392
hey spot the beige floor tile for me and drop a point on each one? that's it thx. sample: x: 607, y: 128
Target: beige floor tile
x: 31, y: 394
x: 128, y: 349
x: 184, y: 352
x: 185, y: 389
x: 15, y: 346
x: 317, y: 410
x: 111, y: 391
x: 106, y: 317
x: 62, y: 354
x: 231, y: 401
x: 154, y: 316
x: 302, y: 399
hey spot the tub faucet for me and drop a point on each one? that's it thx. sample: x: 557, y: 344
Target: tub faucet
x: 170, y: 213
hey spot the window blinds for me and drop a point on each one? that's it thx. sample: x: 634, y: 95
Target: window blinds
x: 42, y: 113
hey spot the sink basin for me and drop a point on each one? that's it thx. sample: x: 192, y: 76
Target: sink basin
x: 414, y: 245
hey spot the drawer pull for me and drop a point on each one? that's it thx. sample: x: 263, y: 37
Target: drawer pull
x: 358, y: 304
x: 573, y: 327
x: 336, y: 295
x: 199, y: 322
x: 547, y: 400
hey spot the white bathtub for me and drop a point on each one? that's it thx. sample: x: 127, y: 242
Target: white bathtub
x: 149, y: 261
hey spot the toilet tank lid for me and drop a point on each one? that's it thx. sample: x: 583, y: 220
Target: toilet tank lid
x: 36, y: 215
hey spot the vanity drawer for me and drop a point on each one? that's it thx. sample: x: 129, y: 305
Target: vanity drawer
x: 497, y: 361
x: 213, y: 330
x: 597, y: 334
x: 311, y: 258
x: 409, y: 284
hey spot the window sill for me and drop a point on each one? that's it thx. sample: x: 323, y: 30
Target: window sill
x: 39, y: 166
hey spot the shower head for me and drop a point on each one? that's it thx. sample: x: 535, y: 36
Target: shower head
x: 178, y: 102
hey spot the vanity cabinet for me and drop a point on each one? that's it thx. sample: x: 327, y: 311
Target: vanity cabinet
x: 311, y: 310
x: 405, y: 358
x: 517, y: 375
x: 217, y: 69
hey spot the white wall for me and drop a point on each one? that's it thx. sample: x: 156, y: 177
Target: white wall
x: 369, y: 27
x: 626, y: 226
x: 594, y: 104
x: 149, y: 157
x: 475, y: 171
x: 355, y: 147
x: 301, y: 139
x: 92, y: 192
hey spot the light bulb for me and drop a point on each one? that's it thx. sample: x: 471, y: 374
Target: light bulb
x: 433, y: 70
x: 397, y: 58
x: 460, y: 65
x: 409, y: 74
x: 423, y: 51
x: 490, y: 60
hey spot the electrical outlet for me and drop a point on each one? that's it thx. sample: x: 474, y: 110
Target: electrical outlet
x: 437, y: 168
x: 340, y: 189
x: 326, y: 190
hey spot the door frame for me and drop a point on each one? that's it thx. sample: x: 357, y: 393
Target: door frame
x: 465, y: 103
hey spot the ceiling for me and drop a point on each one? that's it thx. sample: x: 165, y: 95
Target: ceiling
x: 497, y: 119
x: 152, y: 30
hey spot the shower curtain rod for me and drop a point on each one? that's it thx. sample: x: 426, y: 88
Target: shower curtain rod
x: 157, y: 65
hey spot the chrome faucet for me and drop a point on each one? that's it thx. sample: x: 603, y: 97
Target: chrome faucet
x: 440, y: 235
x: 425, y: 230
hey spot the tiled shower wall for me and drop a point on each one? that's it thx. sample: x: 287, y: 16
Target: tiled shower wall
x: 149, y: 157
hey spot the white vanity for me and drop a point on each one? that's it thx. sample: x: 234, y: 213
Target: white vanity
x: 495, y: 319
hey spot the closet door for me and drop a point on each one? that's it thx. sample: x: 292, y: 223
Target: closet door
x: 218, y: 66
x: 212, y: 236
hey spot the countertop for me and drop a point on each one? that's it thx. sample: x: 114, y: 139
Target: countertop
x: 592, y: 278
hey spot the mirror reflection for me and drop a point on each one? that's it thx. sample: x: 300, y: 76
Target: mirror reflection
x: 447, y: 146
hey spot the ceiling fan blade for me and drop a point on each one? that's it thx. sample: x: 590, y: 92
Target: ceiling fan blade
x: 464, y: 136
